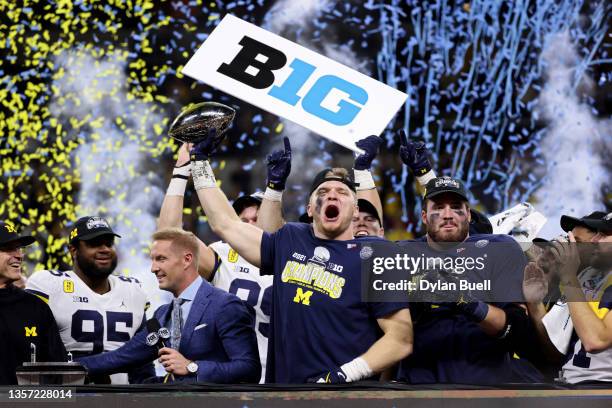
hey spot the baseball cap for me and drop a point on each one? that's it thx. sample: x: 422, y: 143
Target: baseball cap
x: 9, y: 235
x: 86, y: 228
x: 322, y: 177
x: 445, y: 184
x: 367, y: 207
x: 247, y: 200
x: 594, y: 221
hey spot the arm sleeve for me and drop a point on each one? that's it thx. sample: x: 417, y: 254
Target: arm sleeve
x: 606, y: 299
x: 137, y: 375
x: 235, y: 328
x: 132, y: 354
x: 268, y: 251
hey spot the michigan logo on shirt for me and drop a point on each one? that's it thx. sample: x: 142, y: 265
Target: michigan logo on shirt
x: 314, y: 274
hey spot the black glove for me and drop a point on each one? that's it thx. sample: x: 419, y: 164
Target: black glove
x: 370, y: 147
x: 414, y: 155
x: 334, y: 376
x: 279, y: 166
x: 204, y: 149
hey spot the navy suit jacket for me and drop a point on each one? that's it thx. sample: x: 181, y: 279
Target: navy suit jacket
x: 218, y: 335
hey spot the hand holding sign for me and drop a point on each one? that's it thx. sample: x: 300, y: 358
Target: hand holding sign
x: 293, y: 82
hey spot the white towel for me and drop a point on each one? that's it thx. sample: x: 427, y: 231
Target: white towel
x: 559, y: 326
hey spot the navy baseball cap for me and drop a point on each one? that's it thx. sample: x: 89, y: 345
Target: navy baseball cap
x: 445, y: 184
x: 9, y: 235
x: 90, y: 227
x: 323, y: 176
x: 594, y: 221
x: 246, y: 201
x: 367, y: 207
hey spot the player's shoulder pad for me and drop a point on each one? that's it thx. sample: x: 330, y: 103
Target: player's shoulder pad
x: 47, y: 282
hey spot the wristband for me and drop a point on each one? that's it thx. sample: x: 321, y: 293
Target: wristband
x: 178, y: 183
x: 425, y: 178
x: 203, y: 176
x: 357, y: 370
x: 273, y: 195
x: 476, y: 311
x: 364, y: 180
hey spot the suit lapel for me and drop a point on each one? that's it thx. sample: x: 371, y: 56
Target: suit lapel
x: 200, y: 303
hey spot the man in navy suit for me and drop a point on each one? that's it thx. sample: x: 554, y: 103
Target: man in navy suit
x: 212, y: 336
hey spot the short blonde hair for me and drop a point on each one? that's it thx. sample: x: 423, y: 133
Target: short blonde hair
x: 180, y: 238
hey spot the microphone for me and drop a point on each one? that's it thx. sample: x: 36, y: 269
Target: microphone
x: 157, y: 337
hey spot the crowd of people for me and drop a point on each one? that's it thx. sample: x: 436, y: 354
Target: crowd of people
x: 282, y: 302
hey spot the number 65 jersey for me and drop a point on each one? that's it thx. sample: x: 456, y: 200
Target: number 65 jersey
x: 91, y: 323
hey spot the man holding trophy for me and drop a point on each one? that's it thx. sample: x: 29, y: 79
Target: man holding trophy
x: 311, y: 319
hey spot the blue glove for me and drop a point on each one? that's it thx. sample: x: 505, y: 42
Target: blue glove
x: 370, y: 147
x: 334, y: 376
x: 279, y: 167
x: 205, y: 148
x: 414, y: 155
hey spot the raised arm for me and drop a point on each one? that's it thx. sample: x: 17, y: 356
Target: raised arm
x: 270, y: 215
x: 535, y: 288
x: 594, y: 331
x: 415, y: 155
x: 171, y: 213
x: 241, y: 236
x: 366, y: 188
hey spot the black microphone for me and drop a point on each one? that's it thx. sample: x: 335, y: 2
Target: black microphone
x: 153, y: 338
x: 157, y: 336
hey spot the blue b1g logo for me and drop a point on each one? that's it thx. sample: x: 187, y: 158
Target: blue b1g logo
x: 258, y: 56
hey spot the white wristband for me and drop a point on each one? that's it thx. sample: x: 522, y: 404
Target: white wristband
x: 357, y: 370
x: 425, y: 178
x: 183, y: 171
x: 176, y: 187
x: 273, y: 195
x: 364, y: 180
x: 203, y: 176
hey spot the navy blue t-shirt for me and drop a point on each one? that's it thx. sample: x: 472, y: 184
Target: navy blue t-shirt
x: 318, y: 319
x: 450, y: 348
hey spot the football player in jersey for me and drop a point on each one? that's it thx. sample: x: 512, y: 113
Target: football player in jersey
x: 579, y: 326
x: 469, y: 340
x: 320, y: 330
x: 218, y: 262
x: 95, y: 311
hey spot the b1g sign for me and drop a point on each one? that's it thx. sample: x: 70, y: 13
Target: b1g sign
x: 294, y: 82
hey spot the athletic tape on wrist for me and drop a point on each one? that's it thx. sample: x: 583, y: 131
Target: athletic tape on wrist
x: 364, y: 180
x: 424, y: 179
x: 273, y: 195
x: 203, y: 176
x: 177, y: 187
x: 357, y: 370
x: 183, y: 171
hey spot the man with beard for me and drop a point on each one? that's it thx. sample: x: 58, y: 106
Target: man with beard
x: 317, y: 301
x: 470, y: 336
x: 95, y: 311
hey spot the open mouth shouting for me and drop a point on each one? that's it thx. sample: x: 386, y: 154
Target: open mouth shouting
x: 331, y: 213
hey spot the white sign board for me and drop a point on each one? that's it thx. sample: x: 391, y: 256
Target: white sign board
x: 293, y: 82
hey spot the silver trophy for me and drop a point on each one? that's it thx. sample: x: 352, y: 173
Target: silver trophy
x: 201, y: 121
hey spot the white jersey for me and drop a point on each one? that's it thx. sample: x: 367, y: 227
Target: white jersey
x: 583, y: 366
x: 90, y: 323
x: 235, y: 275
